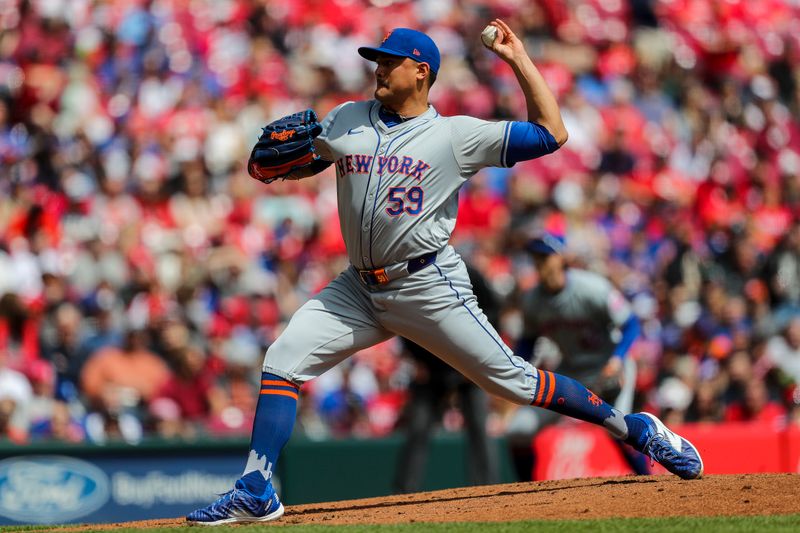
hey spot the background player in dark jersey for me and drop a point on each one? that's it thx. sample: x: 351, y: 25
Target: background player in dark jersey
x: 592, y: 325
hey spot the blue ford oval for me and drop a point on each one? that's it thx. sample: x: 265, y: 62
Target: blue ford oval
x: 50, y: 489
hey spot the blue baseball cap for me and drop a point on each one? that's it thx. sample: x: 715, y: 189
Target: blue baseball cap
x: 546, y: 244
x: 405, y: 42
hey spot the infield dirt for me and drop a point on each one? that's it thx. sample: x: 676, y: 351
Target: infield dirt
x: 645, y: 496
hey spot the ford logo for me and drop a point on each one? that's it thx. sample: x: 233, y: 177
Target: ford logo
x: 50, y: 489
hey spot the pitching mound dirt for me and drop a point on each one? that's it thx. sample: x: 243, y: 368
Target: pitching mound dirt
x: 646, y: 496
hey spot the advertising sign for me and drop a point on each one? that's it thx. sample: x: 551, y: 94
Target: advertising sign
x: 56, y: 489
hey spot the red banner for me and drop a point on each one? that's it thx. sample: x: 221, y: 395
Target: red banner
x: 575, y: 450
x: 792, y: 444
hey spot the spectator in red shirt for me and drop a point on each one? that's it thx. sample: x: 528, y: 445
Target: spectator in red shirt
x: 19, y: 335
x: 756, y: 406
x: 188, y: 389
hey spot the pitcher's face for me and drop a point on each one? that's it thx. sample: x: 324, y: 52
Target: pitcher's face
x: 396, y: 79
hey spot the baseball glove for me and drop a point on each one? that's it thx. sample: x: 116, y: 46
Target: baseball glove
x: 285, y: 145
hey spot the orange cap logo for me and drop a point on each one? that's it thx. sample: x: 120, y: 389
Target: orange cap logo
x: 415, y: 52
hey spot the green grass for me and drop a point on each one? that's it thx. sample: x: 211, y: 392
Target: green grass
x: 788, y: 523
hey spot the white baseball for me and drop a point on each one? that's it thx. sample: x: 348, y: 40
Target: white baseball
x: 488, y: 35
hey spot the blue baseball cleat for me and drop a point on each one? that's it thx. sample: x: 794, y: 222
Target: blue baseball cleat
x: 237, y: 506
x: 669, y: 449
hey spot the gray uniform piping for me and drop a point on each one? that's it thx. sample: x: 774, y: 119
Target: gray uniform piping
x: 504, y: 148
x: 378, y: 187
x: 366, y: 192
x: 465, y: 306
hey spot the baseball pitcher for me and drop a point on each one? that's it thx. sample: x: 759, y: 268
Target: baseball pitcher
x: 399, y: 166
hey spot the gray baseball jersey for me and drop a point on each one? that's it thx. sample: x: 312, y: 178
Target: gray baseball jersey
x: 580, y: 319
x: 398, y: 197
x: 398, y: 187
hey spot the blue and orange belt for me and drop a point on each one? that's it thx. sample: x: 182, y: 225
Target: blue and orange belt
x: 380, y: 276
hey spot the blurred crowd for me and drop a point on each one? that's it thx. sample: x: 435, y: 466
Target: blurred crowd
x: 143, y: 273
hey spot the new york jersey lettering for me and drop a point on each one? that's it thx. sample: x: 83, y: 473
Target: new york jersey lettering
x: 361, y: 163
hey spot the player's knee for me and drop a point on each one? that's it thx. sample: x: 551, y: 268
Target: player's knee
x: 278, y: 360
x: 512, y: 392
